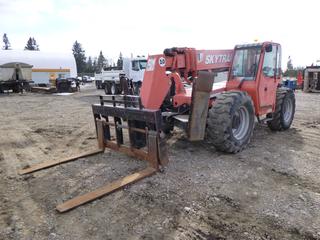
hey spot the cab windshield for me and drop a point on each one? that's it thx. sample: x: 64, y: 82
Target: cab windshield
x: 143, y: 64
x: 245, y: 63
x: 139, y: 65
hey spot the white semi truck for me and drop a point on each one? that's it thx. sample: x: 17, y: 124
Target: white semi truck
x: 132, y: 70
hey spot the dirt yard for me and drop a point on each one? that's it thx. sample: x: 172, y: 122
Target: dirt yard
x: 271, y: 190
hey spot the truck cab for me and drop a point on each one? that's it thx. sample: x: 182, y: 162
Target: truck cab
x: 132, y: 70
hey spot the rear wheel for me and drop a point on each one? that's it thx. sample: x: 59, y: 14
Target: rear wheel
x: 113, y: 88
x: 16, y: 88
x: 107, y: 88
x: 284, y: 113
x: 230, y: 121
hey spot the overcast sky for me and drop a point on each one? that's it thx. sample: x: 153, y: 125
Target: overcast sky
x: 147, y: 27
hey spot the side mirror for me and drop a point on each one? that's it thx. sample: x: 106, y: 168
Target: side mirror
x: 268, y: 48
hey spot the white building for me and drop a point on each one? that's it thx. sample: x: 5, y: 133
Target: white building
x: 46, y: 66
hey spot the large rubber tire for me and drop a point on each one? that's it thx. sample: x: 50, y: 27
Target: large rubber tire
x: 230, y: 121
x: 137, y: 88
x: 107, y: 88
x: 115, y: 88
x: 167, y: 125
x: 138, y: 139
x: 284, y: 113
x: 16, y: 88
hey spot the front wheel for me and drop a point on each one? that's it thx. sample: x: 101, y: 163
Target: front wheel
x: 283, y: 115
x: 230, y: 121
x: 137, y: 87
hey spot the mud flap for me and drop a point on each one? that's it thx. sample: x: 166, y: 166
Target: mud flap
x: 201, y: 89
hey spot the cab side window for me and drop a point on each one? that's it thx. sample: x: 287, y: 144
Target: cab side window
x: 279, y: 61
x: 269, y: 62
x: 135, y: 65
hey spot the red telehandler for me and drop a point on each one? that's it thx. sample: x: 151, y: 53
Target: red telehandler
x: 178, y: 90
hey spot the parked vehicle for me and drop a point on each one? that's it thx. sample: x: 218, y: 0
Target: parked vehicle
x: 225, y: 116
x: 132, y: 71
x: 15, y: 76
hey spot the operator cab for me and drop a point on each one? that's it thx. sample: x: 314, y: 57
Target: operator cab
x: 256, y: 69
x: 247, y: 58
x: 245, y: 61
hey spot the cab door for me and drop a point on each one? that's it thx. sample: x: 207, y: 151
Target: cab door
x: 135, y: 70
x: 270, y: 75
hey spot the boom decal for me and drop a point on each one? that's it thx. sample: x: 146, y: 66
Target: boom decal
x: 221, y: 58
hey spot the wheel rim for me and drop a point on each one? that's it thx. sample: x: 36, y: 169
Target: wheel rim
x: 113, y: 89
x: 240, y: 123
x: 287, y: 110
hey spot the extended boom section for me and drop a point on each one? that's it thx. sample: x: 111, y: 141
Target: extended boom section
x: 175, y: 68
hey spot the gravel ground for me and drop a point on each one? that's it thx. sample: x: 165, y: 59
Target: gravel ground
x: 271, y: 190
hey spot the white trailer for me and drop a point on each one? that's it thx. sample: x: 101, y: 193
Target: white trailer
x: 15, y: 76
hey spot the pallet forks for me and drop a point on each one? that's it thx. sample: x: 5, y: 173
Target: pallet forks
x: 113, y: 115
x: 116, y: 113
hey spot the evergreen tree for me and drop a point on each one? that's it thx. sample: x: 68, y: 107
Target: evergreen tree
x: 106, y: 63
x: 32, y: 45
x: 292, y: 71
x: 89, y: 68
x: 101, y: 62
x: 94, y: 65
x: 120, y: 61
x: 6, y: 42
x: 79, y: 56
x: 29, y: 45
x: 35, y: 45
x: 289, y: 64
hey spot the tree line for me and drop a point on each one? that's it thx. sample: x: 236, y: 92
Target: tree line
x: 291, y: 71
x: 91, y: 65
x: 31, y: 44
x: 95, y: 64
x: 84, y: 64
